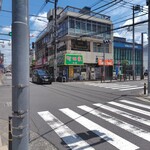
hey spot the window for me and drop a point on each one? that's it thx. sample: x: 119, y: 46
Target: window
x: 88, y: 26
x: 71, y: 23
x: 94, y: 27
x: 77, y: 24
x: 83, y: 27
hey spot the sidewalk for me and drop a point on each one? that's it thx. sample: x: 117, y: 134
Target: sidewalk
x: 36, y: 142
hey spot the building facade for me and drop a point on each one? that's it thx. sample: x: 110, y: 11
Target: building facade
x: 84, y: 43
x: 123, y: 52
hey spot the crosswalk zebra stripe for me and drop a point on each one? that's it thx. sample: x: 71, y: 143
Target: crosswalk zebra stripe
x: 131, y: 88
x: 124, y: 125
x: 64, y: 132
x: 121, y: 86
x: 109, y: 136
x: 147, y: 113
x: 115, y: 86
x: 125, y: 114
x: 135, y: 104
x: 124, y: 87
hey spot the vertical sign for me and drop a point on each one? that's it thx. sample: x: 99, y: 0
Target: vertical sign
x: 71, y: 72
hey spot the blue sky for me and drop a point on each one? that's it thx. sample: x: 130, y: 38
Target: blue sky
x: 120, y: 10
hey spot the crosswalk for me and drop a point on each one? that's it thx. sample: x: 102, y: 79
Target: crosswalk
x: 114, y: 86
x: 112, y: 112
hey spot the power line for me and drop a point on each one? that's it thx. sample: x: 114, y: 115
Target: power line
x: 97, y: 8
x: 130, y: 18
x: 31, y: 15
x: 99, y: 1
x: 104, y: 9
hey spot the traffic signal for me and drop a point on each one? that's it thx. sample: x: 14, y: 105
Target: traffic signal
x: 106, y: 41
x: 96, y: 59
x: 10, y: 33
x: 32, y: 45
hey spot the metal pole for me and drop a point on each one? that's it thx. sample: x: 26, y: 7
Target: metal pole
x: 20, y: 75
x: 55, y: 41
x: 9, y: 133
x: 149, y: 47
x: 133, y: 51
x: 104, y: 61
x: 142, y: 77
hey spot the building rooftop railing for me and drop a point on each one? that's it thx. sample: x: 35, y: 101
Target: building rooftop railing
x: 84, y: 12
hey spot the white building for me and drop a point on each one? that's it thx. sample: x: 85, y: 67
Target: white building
x: 83, y: 44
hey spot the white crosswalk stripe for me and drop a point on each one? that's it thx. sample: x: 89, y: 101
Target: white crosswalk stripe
x: 137, y: 110
x: 109, y: 136
x: 126, y: 126
x: 115, y: 86
x: 69, y: 137
x: 125, y: 114
x: 135, y: 104
x: 75, y: 142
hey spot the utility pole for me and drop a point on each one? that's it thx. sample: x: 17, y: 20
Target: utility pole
x: 20, y: 75
x: 148, y: 3
x: 104, y: 60
x: 135, y: 8
x: 55, y: 40
x: 142, y: 76
x: 133, y: 51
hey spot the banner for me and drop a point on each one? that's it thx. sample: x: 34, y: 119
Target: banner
x: 107, y: 62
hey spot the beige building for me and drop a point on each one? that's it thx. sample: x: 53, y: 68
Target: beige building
x: 84, y: 44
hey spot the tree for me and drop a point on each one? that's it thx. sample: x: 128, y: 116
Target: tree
x: 125, y: 64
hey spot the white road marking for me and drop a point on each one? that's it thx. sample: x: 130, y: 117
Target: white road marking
x: 125, y: 114
x: 147, y: 113
x: 115, y: 86
x: 119, y: 123
x: 67, y: 135
x: 131, y: 88
x: 136, y: 104
x: 109, y: 136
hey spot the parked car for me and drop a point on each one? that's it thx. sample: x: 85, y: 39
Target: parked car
x: 41, y: 76
x: 146, y: 72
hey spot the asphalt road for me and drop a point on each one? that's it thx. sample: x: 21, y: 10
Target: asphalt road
x: 91, y: 115
x: 87, y: 115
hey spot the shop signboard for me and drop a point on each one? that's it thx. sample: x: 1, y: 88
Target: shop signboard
x: 107, y: 62
x: 71, y: 72
x: 73, y: 59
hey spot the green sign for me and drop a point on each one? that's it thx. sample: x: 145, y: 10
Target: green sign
x: 73, y: 59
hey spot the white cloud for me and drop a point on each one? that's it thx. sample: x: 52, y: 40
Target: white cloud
x: 38, y: 23
x: 6, y: 29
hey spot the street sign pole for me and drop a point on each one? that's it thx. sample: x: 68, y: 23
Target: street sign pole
x: 20, y: 75
x: 148, y: 1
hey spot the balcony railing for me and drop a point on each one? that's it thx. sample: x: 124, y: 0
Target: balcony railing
x: 89, y: 13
